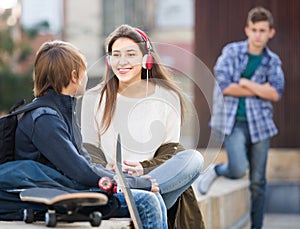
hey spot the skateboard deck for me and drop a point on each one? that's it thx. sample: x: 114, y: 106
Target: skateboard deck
x: 134, y: 214
x: 64, y: 206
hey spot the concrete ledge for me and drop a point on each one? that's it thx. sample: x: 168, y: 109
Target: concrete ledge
x: 228, y: 202
x: 226, y: 205
x: 283, y: 163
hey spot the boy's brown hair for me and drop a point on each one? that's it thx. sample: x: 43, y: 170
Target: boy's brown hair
x: 54, y: 62
x: 260, y: 14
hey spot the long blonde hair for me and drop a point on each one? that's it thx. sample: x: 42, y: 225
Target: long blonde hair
x: 158, y: 74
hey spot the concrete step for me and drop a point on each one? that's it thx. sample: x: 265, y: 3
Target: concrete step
x: 226, y: 205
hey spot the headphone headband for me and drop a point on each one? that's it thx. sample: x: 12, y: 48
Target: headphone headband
x: 145, y: 37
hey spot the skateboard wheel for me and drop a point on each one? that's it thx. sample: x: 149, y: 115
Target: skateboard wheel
x: 50, y: 219
x: 28, y: 215
x: 95, y: 219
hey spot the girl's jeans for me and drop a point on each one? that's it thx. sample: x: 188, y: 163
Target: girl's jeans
x: 151, y: 209
x: 174, y: 177
x: 177, y: 174
x: 240, y: 151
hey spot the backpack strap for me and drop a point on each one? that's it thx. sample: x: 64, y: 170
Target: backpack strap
x: 17, y: 105
x: 36, y: 103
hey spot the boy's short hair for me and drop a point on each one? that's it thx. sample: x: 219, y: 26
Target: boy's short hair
x: 260, y: 14
x: 53, y: 65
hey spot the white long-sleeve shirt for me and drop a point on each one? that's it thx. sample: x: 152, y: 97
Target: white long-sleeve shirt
x: 144, y: 124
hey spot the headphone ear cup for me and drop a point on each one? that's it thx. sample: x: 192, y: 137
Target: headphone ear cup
x: 147, y: 61
x: 107, y: 62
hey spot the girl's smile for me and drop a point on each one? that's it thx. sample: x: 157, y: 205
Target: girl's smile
x: 126, y: 61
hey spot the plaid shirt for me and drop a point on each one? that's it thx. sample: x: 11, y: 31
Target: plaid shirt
x: 228, y: 69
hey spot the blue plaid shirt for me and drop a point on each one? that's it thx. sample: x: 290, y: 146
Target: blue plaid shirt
x: 228, y: 69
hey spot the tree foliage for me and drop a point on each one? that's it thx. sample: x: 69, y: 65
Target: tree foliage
x: 14, y: 85
x: 14, y: 88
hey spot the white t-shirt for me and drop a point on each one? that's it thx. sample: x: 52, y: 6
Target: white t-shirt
x: 144, y: 124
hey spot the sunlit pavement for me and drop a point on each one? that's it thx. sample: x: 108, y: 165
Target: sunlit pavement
x: 272, y: 221
x: 282, y: 221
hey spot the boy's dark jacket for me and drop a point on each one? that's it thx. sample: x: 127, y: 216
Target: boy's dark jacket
x: 185, y: 214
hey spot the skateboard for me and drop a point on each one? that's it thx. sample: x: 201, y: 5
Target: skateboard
x: 64, y: 206
x: 125, y: 188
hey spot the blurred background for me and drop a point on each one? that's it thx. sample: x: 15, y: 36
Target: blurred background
x: 26, y: 24
x: 188, y: 35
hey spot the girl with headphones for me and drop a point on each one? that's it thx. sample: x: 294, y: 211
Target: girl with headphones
x: 138, y: 100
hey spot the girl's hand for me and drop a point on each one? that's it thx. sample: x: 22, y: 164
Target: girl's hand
x: 133, y: 168
x: 154, y: 187
x: 111, y: 166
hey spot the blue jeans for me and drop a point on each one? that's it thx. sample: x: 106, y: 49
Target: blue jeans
x: 241, y: 152
x: 177, y: 174
x: 151, y: 209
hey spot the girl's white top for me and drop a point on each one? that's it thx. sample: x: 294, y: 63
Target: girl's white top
x: 144, y: 124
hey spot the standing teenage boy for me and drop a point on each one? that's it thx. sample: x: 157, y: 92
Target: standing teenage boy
x: 249, y: 77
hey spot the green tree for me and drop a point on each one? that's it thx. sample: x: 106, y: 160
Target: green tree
x: 14, y: 85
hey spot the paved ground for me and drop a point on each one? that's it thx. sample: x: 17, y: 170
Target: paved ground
x: 282, y: 221
x: 272, y: 221
x: 111, y: 224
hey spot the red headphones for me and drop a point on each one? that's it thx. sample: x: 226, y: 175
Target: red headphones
x: 147, y: 58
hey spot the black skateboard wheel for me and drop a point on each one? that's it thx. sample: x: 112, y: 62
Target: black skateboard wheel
x: 28, y: 215
x: 50, y: 219
x: 95, y: 219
